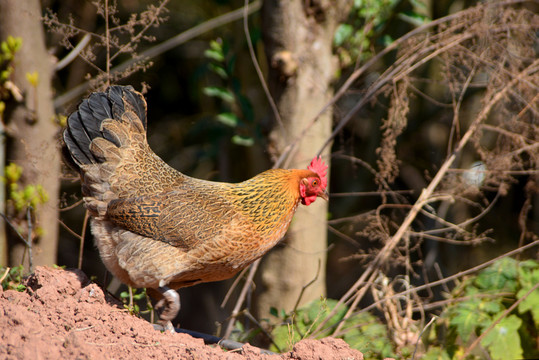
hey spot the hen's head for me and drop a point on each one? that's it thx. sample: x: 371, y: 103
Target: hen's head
x: 314, y: 186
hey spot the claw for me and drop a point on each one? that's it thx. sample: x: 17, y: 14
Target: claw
x: 165, y: 326
x: 167, y: 307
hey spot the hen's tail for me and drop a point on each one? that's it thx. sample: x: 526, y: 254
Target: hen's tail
x: 105, y: 140
x: 87, y: 123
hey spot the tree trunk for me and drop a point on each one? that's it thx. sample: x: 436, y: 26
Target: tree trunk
x: 31, y: 126
x: 298, y: 37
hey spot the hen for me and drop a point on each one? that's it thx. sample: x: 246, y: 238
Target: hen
x: 160, y: 229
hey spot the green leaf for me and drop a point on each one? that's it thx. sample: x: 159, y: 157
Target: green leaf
x: 531, y: 303
x: 413, y: 18
x: 435, y: 353
x: 13, y: 172
x: 5, y: 48
x: 229, y: 119
x: 139, y: 296
x: 528, y: 272
x: 501, y: 275
x: 243, y: 140
x: 467, y: 318
x: 503, y: 341
x: 5, y: 74
x: 343, y: 32
x: 273, y: 311
x: 214, y: 55
x: 216, y: 45
x: 365, y: 333
x: 387, y: 40
x: 219, y: 92
x: 14, y: 44
x: 219, y: 70
x: 491, y: 306
x: 419, y: 4
x: 529, y: 264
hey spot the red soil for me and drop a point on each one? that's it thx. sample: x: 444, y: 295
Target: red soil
x: 62, y: 315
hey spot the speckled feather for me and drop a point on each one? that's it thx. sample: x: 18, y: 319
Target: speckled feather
x: 154, y: 225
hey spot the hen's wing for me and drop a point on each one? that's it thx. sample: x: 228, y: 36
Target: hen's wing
x: 180, y: 218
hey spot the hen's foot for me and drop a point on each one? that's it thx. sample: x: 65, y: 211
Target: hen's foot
x: 167, y: 307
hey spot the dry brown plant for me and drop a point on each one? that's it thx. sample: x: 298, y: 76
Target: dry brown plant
x: 487, y: 51
x: 101, y: 51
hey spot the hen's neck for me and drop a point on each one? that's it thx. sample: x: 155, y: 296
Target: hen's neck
x: 269, y: 200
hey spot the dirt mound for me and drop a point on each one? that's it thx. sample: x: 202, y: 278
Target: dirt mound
x: 62, y: 315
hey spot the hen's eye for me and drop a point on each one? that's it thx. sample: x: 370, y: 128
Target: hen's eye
x: 314, y: 183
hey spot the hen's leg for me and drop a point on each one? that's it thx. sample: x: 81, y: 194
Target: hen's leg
x: 167, y: 303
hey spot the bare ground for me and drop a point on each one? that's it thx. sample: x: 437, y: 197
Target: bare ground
x: 62, y: 315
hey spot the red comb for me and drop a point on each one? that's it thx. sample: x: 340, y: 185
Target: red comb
x: 318, y: 166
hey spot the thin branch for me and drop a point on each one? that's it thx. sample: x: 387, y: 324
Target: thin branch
x: 29, y: 237
x: 454, y: 276
x: 248, y: 315
x: 159, y: 49
x: 82, y: 237
x: 444, y: 303
x: 306, y: 286
x: 72, y: 206
x: 254, y: 60
x: 470, y: 220
x: 370, y: 193
x: 5, y: 274
x: 455, y: 129
x: 28, y: 244
x: 246, y: 288
x: 421, y: 334
x: 343, y: 236
x: 73, y: 53
x: 107, y: 42
x: 233, y: 286
x: 69, y: 229
x: 474, y: 241
x: 142, y: 31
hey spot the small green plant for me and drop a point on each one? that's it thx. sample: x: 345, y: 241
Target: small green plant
x: 354, y: 39
x: 479, y: 301
x: 22, y: 198
x: 130, y: 301
x: 237, y: 111
x: 483, y: 300
x: 11, y: 278
x: 8, y: 49
x: 363, y: 332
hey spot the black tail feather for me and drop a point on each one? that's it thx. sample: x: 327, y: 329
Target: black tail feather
x: 115, y: 95
x: 84, y: 125
x: 138, y: 104
x: 77, y: 139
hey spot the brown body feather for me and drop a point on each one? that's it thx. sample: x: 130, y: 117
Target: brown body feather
x: 155, y: 226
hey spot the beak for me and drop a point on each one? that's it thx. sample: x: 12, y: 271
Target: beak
x: 323, y: 194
